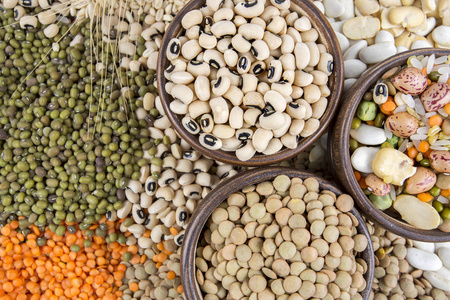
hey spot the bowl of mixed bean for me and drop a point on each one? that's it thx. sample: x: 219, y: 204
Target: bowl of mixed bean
x: 277, y: 232
x: 391, y: 149
x: 252, y: 83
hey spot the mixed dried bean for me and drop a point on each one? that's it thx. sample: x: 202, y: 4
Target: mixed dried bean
x: 398, y: 143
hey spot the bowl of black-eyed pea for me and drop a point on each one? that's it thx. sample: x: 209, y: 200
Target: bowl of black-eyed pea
x: 250, y: 82
x: 277, y: 232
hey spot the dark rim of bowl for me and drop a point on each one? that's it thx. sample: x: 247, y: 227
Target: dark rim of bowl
x: 235, y: 184
x: 340, y: 150
x: 336, y: 80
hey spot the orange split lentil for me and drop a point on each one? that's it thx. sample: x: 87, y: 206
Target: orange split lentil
x: 54, y: 271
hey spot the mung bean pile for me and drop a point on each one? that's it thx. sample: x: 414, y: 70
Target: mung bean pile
x: 70, y: 137
x: 282, y: 238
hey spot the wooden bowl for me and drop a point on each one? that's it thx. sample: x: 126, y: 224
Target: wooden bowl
x: 340, y: 150
x: 335, y: 82
x: 238, y: 182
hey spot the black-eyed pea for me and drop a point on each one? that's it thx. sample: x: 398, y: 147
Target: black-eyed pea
x: 198, y: 68
x: 296, y: 127
x: 288, y: 61
x: 287, y: 44
x: 318, y: 108
x: 324, y: 90
x: 289, y: 141
x: 276, y: 25
x: 319, y: 77
x: 289, y: 77
x: 295, y: 34
x: 223, y: 28
x: 240, y: 43
x: 269, y: 12
x: 273, y: 147
x: 311, y: 126
x: 234, y: 95
x: 260, y: 50
x: 190, y: 49
x: 198, y: 108
x: 224, y: 44
x: 223, y: 13
x: 10, y: 4
x: 310, y: 35
x: 28, y: 22
x: 193, y: 32
x: 314, y: 54
x: 302, y: 55
x: 214, y: 58
x: 326, y: 63
x: 259, y: 21
x: 210, y: 141
x: 303, y: 79
x: 302, y: 24
x: 178, y: 107
x: 271, y: 120
x: 190, y: 125
x: 220, y: 86
x: 250, y: 9
x: 251, y: 31
x: 231, y: 57
x: 295, y: 110
x: 45, y: 17
x: 207, y: 40
x: 245, y: 152
x: 274, y: 71
x: 182, y: 93
x: 312, y: 93
x: 181, y: 77
x: 249, y: 83
x: 283, y: 129
x: 192, y: 18
x: 207, y: 123
x: 243, y: 64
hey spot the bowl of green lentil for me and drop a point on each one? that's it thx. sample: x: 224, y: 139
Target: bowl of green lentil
x: 221, y: 117
x: 387, y: 148
x: 284, y: 248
